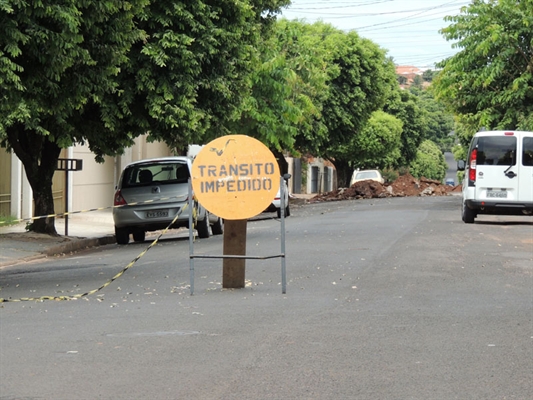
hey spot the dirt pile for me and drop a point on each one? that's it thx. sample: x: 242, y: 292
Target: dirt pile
x: 405, y: 185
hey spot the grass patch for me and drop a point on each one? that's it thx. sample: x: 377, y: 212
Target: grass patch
x: 6, y: 221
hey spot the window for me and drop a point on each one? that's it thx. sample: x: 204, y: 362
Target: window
x: 155, y: 174
x: 496, y: 150
x: 527, y: 152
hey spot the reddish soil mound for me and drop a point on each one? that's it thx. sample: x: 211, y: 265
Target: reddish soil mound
x: 405, y: 185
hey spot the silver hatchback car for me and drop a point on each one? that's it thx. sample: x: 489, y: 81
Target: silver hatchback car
x: 149, y: 195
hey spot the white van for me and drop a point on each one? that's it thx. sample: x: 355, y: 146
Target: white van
x: 498, y: 174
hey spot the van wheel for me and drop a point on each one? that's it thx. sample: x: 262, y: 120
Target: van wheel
x: 468, y: 215
x: 203, y: 227
x: 122, y: 235
x: 218, y: 227
x: 139, y: 236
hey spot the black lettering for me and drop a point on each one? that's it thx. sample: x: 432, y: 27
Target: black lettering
x: 231, y: 186
x: 222, y: 171
x: 269, y: 168
x: 243, y: 170
x: 220, y: 184
x: 201, y: 167
x: 234, y: 170
x: 212, y: 171
x: 209, y: 186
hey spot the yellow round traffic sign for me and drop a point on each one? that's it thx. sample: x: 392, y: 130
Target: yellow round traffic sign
x: 235, y: 177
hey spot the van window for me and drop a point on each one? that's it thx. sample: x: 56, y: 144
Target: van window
x: 496, y: 150
x: 527, y: 152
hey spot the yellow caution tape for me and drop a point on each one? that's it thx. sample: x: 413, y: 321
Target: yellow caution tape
x: 15, y: 221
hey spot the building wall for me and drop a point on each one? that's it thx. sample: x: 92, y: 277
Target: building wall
x: 94, y: 186
x: 321, y: 176
x: 5, y: 182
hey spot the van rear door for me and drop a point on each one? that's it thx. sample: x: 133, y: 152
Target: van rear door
x: 496, y: 167
x: 525, y: 177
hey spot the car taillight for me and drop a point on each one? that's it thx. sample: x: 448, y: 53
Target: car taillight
x: 119, y: 200
x: 472, y: 167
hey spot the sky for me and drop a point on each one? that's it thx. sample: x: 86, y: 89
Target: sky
x: 408, y: 29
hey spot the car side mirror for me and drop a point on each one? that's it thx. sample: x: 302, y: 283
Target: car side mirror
x: 461, y: 165
x: 286, y: 177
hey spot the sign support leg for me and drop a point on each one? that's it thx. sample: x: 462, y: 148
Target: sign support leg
x: 233, y: 270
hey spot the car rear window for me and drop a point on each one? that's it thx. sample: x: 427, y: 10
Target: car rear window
x: 496, y: 150
x: 155, y: 174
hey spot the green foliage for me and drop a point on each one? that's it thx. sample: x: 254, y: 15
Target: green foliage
x: 439, y: 121
x: 390, y: 175
x: 429, y: 163
x: 378, y: 143
x: 7, y: 220
x: 489, y: 82
x: 406, y: 107
x: 428, y: 75
x: 286, y: 91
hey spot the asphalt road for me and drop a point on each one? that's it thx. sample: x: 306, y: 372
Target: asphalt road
x: 386, y: 299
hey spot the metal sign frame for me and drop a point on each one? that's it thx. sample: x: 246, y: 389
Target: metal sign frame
x: 68, y: 165
x: 282, y: 255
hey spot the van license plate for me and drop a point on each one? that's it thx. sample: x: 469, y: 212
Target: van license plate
x: 498, y: 194
x: 156, y: 214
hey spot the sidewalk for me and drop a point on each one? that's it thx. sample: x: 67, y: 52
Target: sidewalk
x: 85, y: 230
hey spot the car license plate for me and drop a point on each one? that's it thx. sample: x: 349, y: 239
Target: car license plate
x: 156, y: 214
x: 498, y: 194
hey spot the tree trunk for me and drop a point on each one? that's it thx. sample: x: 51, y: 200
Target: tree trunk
x: 39, y: 157
x: 282, y: 162
x: 344, y: 173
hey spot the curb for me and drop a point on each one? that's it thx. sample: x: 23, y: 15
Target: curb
x: 68, y: 247
x: 81, y: 244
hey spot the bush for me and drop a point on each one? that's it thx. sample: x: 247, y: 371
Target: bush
x: 389, y: 175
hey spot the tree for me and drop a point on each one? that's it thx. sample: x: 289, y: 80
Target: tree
x: 428, y: 75
x: 378, y: 144
x: 402, y: 80
x: 406, y: 107
x: 56, y: 61
x: 429, y: 162
x: 359, y: 85
x: 439, y: 121
x: 284, y: 103
x: 105, y: 72
x: 489, y: 82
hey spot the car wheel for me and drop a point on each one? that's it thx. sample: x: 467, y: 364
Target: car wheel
x: 468, y: 214
x: 139, y: 235
x: 202, y: 226
x: 287, y: 212
x: 122, y: 235
x: 218, y: 227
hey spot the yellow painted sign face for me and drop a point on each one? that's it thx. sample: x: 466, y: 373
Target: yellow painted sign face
x: 235, y: 177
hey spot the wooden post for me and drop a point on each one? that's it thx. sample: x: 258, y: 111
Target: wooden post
x: 233, y: 270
